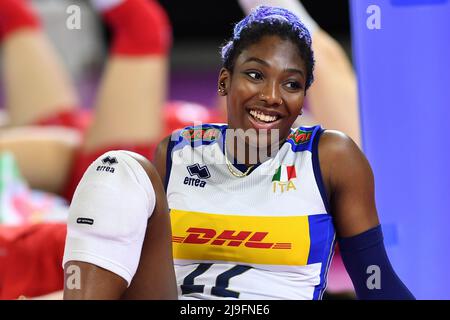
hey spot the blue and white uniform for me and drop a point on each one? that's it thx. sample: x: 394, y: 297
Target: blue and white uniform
x: 268, y: 235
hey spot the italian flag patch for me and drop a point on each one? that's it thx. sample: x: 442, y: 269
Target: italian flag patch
x: 284, y: 173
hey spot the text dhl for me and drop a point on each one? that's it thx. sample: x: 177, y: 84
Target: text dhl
x: 230, y: 238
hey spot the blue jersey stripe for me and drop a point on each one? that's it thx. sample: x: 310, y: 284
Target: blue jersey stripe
x: 316, y: 168
x: 322, y: 237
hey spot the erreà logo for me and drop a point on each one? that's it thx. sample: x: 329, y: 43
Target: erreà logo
x: 201, y: 172
x: 281, y: 180
x: 108, y: 161
x: 230, y: 238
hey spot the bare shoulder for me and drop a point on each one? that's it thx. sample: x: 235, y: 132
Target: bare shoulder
x: 349, y: 181
x: 335, y: 143
x: 340, y: 155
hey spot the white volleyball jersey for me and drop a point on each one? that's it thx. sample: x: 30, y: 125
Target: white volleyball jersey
x: 268, y: 235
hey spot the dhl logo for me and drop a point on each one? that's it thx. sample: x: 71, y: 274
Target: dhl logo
x: 245, y: 239
x: 230, y: 238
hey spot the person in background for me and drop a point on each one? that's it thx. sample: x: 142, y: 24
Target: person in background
x: 53, y: 140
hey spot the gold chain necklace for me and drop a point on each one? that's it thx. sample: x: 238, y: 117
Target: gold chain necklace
x: 231, y: 169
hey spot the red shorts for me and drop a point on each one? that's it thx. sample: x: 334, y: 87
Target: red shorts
x: 30, y: 260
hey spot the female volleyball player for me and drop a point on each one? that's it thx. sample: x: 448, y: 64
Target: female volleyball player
x: 255, y: 206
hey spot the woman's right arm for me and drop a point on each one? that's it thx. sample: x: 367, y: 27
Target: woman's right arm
x: 119, y: 235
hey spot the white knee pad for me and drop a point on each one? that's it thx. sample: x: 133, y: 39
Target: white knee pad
x: 109, y: 213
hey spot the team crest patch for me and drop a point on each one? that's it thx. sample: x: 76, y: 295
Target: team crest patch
x: 282, y: 179
x: 300, y: 136
x: 206, y: 134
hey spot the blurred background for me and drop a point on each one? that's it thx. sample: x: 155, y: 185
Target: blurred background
x: 195, y: 58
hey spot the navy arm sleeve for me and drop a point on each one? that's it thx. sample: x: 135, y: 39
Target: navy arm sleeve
x: 367, y: 264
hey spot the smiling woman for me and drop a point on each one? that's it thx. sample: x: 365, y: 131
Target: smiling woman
x: 266, y: 88
x: 271, y: 66
x: 290, y: 193
x: 256, y: 207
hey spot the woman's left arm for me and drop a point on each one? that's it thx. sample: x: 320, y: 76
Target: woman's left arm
x: 350, y: 187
